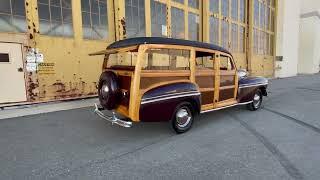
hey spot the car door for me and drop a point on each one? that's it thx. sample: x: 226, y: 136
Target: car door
x: 227, y: 81
x: 205, y: 78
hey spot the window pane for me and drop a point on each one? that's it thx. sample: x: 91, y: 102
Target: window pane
x: 6, y: 23
x: 94, y: 19
x: 55, y: 13
x: 225, y: 8
x: 255, y: 41
x: 167, y: 59
x: 12, y: 16
x: 262, y: 15
x: 4, y: 57
x: 234, y: 40
x: 66, y: 3
x: 5, y: 7
x: 242, y: 39
x: 177, y: 23
x: 214, y: 6
x: 256, y: 12
x: 214, y: 30
x: 225, y: 35
x: 20, y: 23
x: 242, y: 10
x: 179, y: 1
x: 193, y: 4
x: 135, y: 18
x: 44, y: 12
x: 158, y: 19
x: 267, y: 26
x: 67, y: 15
x: 234, y: 9
x: 193, y: 26
x: 58, y: 20
x: 17, y: 7
x: 225, y: 63
x: 85, y: 5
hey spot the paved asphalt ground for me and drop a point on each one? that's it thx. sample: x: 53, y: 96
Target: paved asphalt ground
x: 280, y: 141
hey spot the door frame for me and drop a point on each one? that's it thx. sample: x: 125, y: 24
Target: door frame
x: 231, y: 101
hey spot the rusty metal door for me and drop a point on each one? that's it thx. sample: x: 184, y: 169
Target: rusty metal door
x: 12, y: 82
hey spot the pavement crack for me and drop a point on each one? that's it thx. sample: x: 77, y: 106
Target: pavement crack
x: 301, y: 123
x: 309, y: 89
x: 283, y: 160
x: 101, y: 161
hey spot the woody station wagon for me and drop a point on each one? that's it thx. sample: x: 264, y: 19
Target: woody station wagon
x: 152, y: 79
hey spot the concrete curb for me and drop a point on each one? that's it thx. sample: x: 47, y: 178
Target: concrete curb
x: 46, y: 108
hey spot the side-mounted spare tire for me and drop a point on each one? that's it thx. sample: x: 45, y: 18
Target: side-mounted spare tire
x: 109, y: 90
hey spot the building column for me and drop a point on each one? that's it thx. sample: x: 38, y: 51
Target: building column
x: 287, y: 41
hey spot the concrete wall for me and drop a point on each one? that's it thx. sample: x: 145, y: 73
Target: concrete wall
x: 309, y: 54
x: 287, y: 41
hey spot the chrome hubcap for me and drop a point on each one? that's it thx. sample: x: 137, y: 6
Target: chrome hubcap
x: 256, y: 100
x: 183, y: 117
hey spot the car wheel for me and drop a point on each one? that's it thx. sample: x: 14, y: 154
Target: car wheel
x: 256, y: 101
x: 182, y: 119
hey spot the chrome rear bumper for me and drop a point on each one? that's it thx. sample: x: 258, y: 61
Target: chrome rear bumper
x: 113, y: 119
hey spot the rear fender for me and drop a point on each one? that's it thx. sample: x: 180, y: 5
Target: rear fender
x: 159, y: 103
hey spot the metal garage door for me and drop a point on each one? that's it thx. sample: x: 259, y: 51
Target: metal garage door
x: 12, y: 82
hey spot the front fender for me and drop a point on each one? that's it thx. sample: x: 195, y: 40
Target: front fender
x: 249, y: 85
x: 158, y: 104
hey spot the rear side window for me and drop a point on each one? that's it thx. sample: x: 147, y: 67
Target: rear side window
x: 167, y: 59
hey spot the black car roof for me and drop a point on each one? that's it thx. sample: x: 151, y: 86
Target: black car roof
x: 162, y: 40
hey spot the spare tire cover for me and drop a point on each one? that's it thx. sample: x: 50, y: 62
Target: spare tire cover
x: 109, y: 90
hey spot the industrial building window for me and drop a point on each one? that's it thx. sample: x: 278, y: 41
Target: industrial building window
x: 94, y: 19
x: 55, y: 17
x: 135, y: 18
x: 263, y: 27
x: 12, y: 16
x: 193, y: 26
x: 158, y: 19
x: 177, y: 23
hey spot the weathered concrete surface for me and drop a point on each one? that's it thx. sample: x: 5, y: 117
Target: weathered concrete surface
x: 281, y: 141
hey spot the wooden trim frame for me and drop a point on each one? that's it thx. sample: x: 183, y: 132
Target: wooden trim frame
x: 233, y: 72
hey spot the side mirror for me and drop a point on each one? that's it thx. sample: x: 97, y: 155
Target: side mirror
x: 242, y: 73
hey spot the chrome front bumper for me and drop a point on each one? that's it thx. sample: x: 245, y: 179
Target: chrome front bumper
x: 113, y: 119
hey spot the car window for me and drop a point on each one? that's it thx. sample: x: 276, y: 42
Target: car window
x: 167, y: 59
x: 226, y: 63
x: 122, y: 59
x: 204, y: 60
